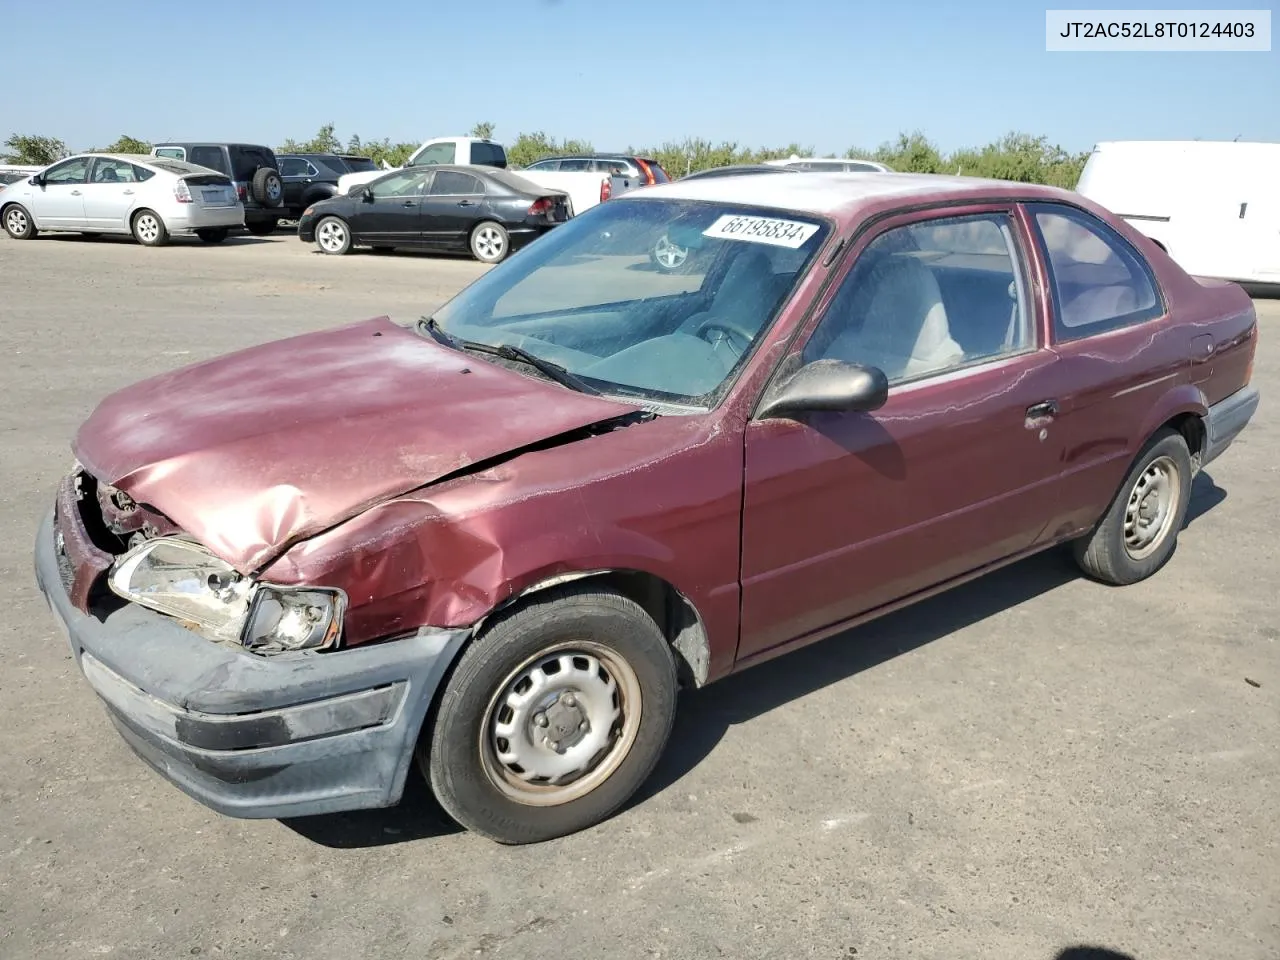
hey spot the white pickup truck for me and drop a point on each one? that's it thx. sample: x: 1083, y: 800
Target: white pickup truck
x: 585, y: 189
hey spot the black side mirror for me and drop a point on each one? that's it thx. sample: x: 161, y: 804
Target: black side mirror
x: 830, y: 385
x: 365, y: 194
x: 37, y: 180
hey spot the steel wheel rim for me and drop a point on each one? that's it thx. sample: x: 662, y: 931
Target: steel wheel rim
x: 16, y: 221
x: 668, y: 254
x: 489, y: 243
x: 148, y: 228
x: 332, y: 236
x: 580, y: 696
x: 1151, y: 507
x: 273, y: 190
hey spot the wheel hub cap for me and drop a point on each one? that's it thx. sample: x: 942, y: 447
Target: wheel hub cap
x: 1149, y: 513
x: 560, y: 724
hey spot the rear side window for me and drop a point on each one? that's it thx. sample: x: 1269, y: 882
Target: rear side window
x: 245, y: 161
x: 292, y: 167
x: 360, y: 164
x: 210, y: 157
x: 488, y: 155
x: 112, y: 171
x: 173, y: 153
x: 450, y: 183
x: 436, y: 153
x: 544, y: 165
x: 142, y: 173
x: 1100, y: 282
x: 576, y: 164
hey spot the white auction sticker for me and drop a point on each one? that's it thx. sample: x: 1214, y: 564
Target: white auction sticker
x: 779, y: 233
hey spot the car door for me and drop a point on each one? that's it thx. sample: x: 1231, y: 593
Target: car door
x: 847, y: 512
x: 109, y: 195
x: 295, y: 178
x: 390, y: 210
x: 455, y: 202
x: 1115, y: 348
x: 58, y: 202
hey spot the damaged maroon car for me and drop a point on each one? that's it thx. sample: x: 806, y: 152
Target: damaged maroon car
x: 493, y: 545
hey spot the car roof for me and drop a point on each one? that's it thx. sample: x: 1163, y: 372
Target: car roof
x: 842, y: 195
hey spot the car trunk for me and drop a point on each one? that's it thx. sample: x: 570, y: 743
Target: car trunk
x: 211, y: 189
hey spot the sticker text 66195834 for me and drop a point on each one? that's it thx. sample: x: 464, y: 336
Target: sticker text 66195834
x: 779, y: 233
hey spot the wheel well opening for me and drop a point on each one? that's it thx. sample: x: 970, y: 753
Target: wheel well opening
x: 670, y: 610
x: 1192, y: 429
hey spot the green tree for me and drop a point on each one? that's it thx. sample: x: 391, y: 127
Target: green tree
x: 126, y: 144
x: 34, y: 150
x: 483, y: 130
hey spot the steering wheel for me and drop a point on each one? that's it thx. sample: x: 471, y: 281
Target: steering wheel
x: 727, y: 326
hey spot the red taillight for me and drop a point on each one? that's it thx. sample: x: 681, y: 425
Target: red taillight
x: 181, y: 193
x: 540, y: 206
x: 606, y: 189
x: 242, y: 192
x: 649, y: 178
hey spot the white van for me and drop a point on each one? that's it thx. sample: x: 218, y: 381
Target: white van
x: 1214, y: 206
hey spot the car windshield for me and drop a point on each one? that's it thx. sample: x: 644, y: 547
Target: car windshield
x: 658, y: 298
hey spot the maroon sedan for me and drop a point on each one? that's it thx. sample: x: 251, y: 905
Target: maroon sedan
x: 497, y: 543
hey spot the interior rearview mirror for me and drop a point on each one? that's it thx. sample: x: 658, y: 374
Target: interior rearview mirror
x: 827, y: 385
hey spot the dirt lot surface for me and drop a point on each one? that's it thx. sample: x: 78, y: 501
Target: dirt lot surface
x: 1030, y: 763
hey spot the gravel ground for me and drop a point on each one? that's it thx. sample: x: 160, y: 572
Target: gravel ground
x: 1027, y: 764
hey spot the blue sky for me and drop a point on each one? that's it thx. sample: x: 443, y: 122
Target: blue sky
x: 830, y: 73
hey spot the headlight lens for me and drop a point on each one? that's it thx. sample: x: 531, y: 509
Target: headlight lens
x: 181, y: 578
x: 293, y: 618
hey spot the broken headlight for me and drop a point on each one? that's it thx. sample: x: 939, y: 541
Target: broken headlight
x: 181, y: 578
x: 293, y: 618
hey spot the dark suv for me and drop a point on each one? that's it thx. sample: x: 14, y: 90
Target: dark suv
x: 251, y: 167
x: 311, y: 177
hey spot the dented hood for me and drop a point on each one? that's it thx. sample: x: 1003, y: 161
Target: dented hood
x: 255, y: 450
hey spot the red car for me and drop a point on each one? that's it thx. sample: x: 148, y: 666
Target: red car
x: 497, y: 543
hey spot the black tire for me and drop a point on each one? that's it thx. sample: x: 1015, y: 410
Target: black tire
x: 267, y: 188
x: 149, y: 229
x: 262, y: 228
x: 18, y: 223
x: 490, y: 242
x: 212, y: 235
x: 1108, y: 552
x: 459, y: 756
x: 333, y: 236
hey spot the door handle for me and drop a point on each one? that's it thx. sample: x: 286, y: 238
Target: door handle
x: 409, y: 203
x: 75, y: 193
x: 1044, y: 410
x: 128, y: 193
x: 466, y: 203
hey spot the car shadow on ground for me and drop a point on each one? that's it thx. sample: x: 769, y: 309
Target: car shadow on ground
x: 705, y: 716
x: 124, y: 239
x: 1092, y: 953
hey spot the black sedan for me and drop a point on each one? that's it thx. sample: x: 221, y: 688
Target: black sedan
x: 484, y: 210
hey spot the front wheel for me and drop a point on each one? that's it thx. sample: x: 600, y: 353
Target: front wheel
x: 212, y: 235
x: 149, y: 229
x: 489, y: 242
x: 1139, y: 531
x: 333, y: 236
x: 18, y: 223
x: 552, y: 718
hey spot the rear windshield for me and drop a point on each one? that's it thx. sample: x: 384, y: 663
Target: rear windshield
x: 488, y: 154
x: 245, y: 161
x: 360, y: 164
x: 175, y: 166
x: 659, y: 175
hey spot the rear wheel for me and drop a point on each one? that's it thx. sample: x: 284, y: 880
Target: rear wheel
x: 333, y: 236
x: 149, y: 229
x: 489, y: 242
x: 212, y: 235
x: 18, y: 223
x: 262, y: 228
x: 553, y: 717
x: 1139, y: 531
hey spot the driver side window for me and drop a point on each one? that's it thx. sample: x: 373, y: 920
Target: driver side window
x: 71, y: 171
x: 930, y: 297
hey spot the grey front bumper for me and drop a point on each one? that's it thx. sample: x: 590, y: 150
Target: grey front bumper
x: 1226, y: 419
x: 253, y: 736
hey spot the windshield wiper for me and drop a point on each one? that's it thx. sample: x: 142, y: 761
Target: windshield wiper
x: 436, y: 332
x: 508, y: 352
